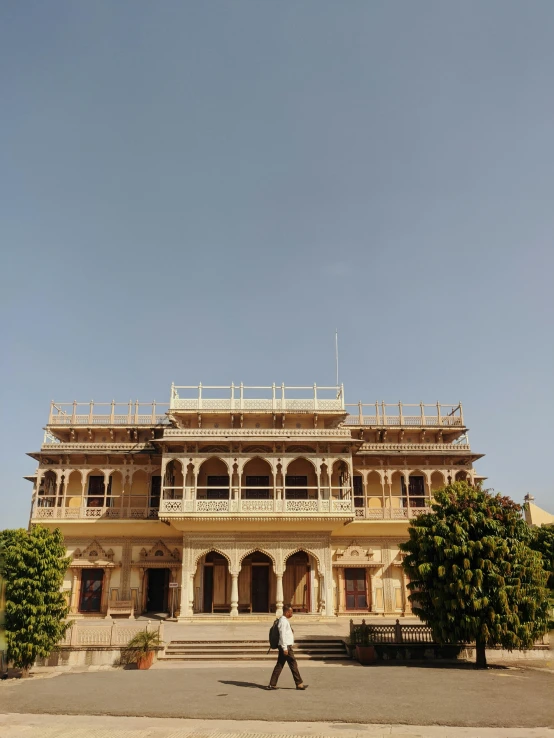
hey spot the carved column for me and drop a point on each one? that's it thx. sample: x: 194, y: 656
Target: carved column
x: 106, y: 590
x: 279, y: 595
x: 74, y: 591
x: 234, y: 594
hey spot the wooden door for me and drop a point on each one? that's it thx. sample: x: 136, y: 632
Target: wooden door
x: 356, y: 589
x: 260, y: 588
x: 91, y: 590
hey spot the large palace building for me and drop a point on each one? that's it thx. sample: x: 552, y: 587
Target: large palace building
x: 232, y: 500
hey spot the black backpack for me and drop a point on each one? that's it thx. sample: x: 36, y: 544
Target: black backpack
x: 274, y: 635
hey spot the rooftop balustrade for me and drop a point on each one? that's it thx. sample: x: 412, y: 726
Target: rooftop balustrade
x: 404, y: 414
x: 107, y: 413
x: 273, y: 398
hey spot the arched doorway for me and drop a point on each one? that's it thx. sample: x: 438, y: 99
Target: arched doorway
x: 213, y: 588
x: 297, y: 582
x: 257, y: 584
x: 213, y: 480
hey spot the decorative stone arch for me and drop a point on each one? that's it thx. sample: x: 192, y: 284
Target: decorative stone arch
x: 306, y: 550
x: 285, y: 463
x: 258, y: 549
x: 200, y: 462
x: 271, y: 463
x: 204, y: 552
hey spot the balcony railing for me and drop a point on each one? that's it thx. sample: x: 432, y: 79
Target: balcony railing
x: 342, y: 433
x: 94, y: 513
x: 422, y: 415
x: 415, y: 447
x: 389, y: 513
x: 314, y: 507
x: 50, y: 445
x: 107, y: 413
x: 274, y: 398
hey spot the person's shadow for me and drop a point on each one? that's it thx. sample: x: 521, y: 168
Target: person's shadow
x: 248, y: 685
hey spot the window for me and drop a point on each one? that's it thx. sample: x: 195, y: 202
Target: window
x: 356, y: 589
x: 358, y: 492
x: 299, y: 486
x: 219, y: 487
x: 417, y: 492
x: 257, y: 494
x: 155, y: 492
x: 95, y: 491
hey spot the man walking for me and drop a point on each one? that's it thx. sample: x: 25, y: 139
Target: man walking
x: 286, y: 651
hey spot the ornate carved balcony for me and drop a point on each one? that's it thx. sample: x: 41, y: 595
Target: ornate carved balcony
x: 389, y: 513
x: 93, y: 513
x: 279, y: 433
x: 257, y: 508
x: 405, y: 448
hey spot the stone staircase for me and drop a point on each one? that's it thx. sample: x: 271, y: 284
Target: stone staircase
x: 305, y: 649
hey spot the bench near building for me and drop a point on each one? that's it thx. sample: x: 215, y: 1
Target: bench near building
x: 229, y: 501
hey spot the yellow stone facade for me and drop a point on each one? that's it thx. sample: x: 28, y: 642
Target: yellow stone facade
x: 229, y: 501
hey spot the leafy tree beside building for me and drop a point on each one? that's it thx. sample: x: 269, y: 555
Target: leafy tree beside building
x: 542, y: 540
x: 33, y: 564
x: 473, y: 576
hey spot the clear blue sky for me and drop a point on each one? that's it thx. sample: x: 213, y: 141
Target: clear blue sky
x: 203, y: 191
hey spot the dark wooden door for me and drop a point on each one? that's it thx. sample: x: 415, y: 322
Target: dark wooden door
x: 260, y: 588
x: 207, y: 604
x: 91, y: 590
x: 158, y: 586
x: 356, y: 589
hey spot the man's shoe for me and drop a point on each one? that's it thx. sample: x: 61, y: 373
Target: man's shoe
x: 269, y: 686
x: 302, y: 687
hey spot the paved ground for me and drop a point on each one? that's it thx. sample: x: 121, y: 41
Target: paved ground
x: 461, y: 696
x: 62, y: 726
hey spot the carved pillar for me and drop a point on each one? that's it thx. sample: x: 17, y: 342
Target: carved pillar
x: 125, y: 582
x: 279, y: 595
x: 106, y: 590
x: 75, y: 591
x: 234, y: 594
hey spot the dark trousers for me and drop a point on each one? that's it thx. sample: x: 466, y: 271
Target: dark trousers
x: 289, y: 659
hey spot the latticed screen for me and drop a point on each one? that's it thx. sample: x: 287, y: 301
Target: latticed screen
x: 358, y: 492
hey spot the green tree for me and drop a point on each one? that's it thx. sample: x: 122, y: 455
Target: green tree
x: 542, y: 540
x: 473, y: 576
x: 33, y: 564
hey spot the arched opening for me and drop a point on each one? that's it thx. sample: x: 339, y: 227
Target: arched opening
x: 257, y: 480
x: 139, y: 490
x: 301, y: 480
x: 74, y: 489
x: 299, y: 582
x: 417, y: 489
x: 461, y: 476
x: 46, y: 495
x: 374, y: 490
x: 396, y: 490
x: 257, y: 584
x: 173, y: 481
x: 340, y: 480
x: 96, y: 489
x: 212, y: 584
x: 116, y: 490
x: 213, y: 480
x: 437, y: 481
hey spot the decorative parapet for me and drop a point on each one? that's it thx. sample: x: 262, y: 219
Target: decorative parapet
x: 273, y: 398
x: 93, y: 513
x: 389, y: 513
x: 281, y: 433
x: 415, y: 447
x: 317, y: 508
x: 91, y: 446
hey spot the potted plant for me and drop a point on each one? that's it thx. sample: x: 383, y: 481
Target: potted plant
x: 365, y: 647
x: 143, y: 646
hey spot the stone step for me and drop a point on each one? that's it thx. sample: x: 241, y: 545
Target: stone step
x: 249, y: 657
x: 314, y: 649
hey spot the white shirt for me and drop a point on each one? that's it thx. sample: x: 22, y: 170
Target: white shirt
x: 286, y: 636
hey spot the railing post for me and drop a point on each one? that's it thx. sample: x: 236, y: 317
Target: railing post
x: 376, y: 413
x: 51, y: 415
x: 422, y: 413
x: 74, y: 413
x: 439, y: 419
x: 315, y: 396
x: 136, y: 411
x: 91, y: 410
x: 400, y: 415
x: 112, y: 628
x: 154, y: 411
x: 273, y: 396
x: 461, y: 414
x: 283, y: 397
x: 232, y: 395
x: 200, y: 396
x: 74, y: 640
x: 360, y: 413
x: 398, y: 632
x: 351, y: 626
x: 130, y: 411
x: 384, y: 411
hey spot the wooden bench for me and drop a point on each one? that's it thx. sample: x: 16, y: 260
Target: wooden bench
x: 121, y: 607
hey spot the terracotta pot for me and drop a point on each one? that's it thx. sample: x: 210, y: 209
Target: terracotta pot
x: 145, y: 661
x: 366, y: 655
